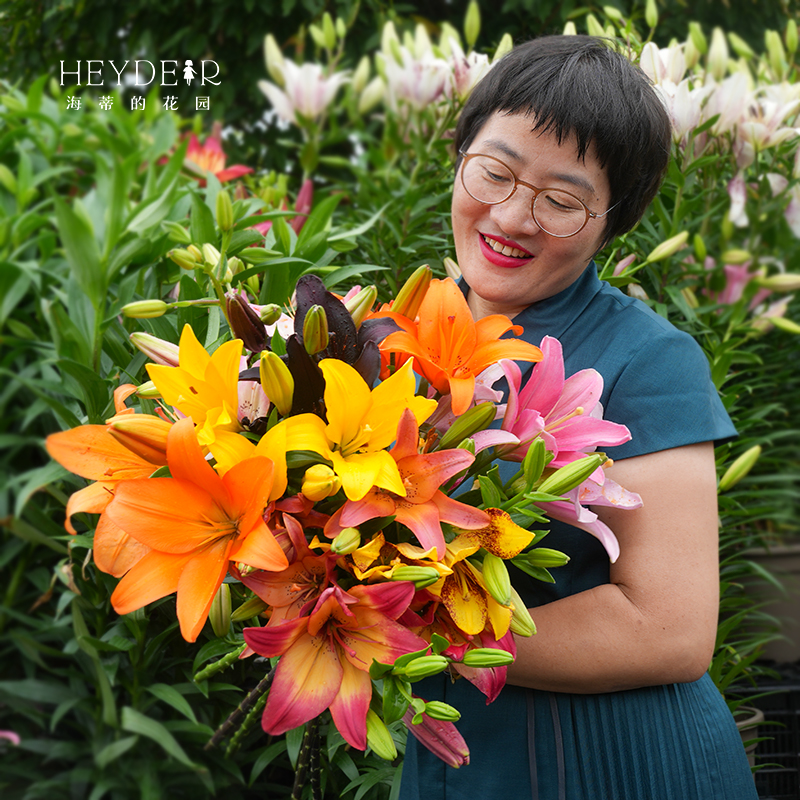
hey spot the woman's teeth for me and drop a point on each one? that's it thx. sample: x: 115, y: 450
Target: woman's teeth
x: 504, y: 249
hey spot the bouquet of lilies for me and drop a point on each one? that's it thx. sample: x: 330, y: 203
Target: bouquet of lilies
x: 336, y: 466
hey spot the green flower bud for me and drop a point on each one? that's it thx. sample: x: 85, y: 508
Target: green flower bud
x: 273, y: 58
x: 148, y: 390
x: 475, y: 419
x: 328, y: 31
x: 360, y: 305
x: 487, y: 657
x: 315, y: 330
x: 436, y: 709
x: 573, y: 474
x: 158, y: 350
x: 534, y: 462
x: 668, y: 248
x: 249, y: 609
x: 183, y: 258
x: 700, y: 251
x: 615, y: 14
x: 783, y: 282
x: 347, y: 541
x: 388, y: 38
x: 691, y: 54
x: 690, y: 297
x: 496, y: 578
x: 698, y: 37
x: 740, y: 46
x: 421, y: 577
x: 718, y: 54
x: 235, y: 265
x: 423, y: 667
x: 504, y: 48
x: 220, y: 612
x: 570, y: 29
x: 361, y: 75
x: 177, y: 233
x: 379, y: 738
x: 521, y: 621
x: 791, y: 36
x: 451, y: 268
x: 637, y: 291
x: 276, y: 381
x: 195, y: 252
x: 472, y: 23
x: 651, y: 13
x: 593, y: 26
x: 341, y: 28
x: 776, y: 53
x: 740, y: 468
x: 373, y: 93
x: 211, y: 256
x: 317, y: 35
x: 736, y: 256
x: 270, y: 313
x: 224, y: 211
x: 544, y: 557
x: 413, y: 292
x: 145, y: 309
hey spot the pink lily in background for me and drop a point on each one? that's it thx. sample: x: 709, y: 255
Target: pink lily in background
x: 440, y: 737
x: 10, y: 736
x: 424, y: 507
x: 308, y: 91
x: 302, y: 207
x: 210, y: 157
x: 467, y: 70
x: 566, y: 413
x: 418, y: 81
x: 325, y: 657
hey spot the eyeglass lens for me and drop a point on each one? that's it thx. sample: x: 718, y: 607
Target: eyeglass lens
x: 555, y: 212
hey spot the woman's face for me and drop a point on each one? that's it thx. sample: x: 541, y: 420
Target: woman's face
x: 508, y: 283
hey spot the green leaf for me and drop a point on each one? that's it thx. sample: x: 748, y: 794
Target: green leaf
x: 346, y: 273
x: 135, y: 722
x: 82, y: 252
x: 149, y: 214
x: 114, y: 750
x: 171, y: 696
x: 202, y: 223
x: 35, y: 480
x: 294, y: 738
x: 351, y: 233
x: 88, y: 386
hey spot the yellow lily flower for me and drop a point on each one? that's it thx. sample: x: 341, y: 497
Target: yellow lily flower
x: 361, y: 425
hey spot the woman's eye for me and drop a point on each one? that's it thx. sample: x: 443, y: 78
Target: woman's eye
x: 562, y: 204
x: 495, y: 177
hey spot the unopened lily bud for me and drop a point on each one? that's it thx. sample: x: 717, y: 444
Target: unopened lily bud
x: 158, y: 350
x: 319, y: 482
x: 451, y: 268
x: 245, y: 322
x: 328, y: 31
x: 736, y: 256
x: 475, y: 419
x: 593, y: 26
x: 472, y: 23
x: 361, y: 75
x: 176, y: 231
x: 791, y: 36
x: 468, y: 445
x: 315, y: 330
x: 317, y: 35
x: 668, y: 248
x: 341, y: 28
x: 423, y: 667
x: 487, y: 657
x: 224, y: 211
x: 195, y: 252
x: 211, y: 256
x: 570, y: 29
x: 348, y: 541
x: 388, y: 35
x: 270, y: 313
x: 373, y: 93
x: 421, y: 577
x: 413, y: 292
x: 718, y: 54
x: 534, y: 462
x: 521, y: 620
x: 145, y: 309
x: 651, y: 13
x: 276, y: 381
x: 700, y: 250
x: 637, y: 291
x: 505, y: 46
x: 436, y: 709
x: 220, y: 612
x: 544, y: 557
x: 690, y: 297
x: 615, y: 14
x: 142, y: 434
x: 775, y: 53
x: 788, y: 325
x: 698, y: 37
x: 273, y: 59
x: 148, y: 391
x: 740, y: 46
x: 235, y: 265
x: 249, y: 609
x: 379, y: 738
x: 691, y: 54
x: 783, y: 282
x: 740, y: 468
x: 360, y: 305
x: 573, y: 474
x: 496, y: 578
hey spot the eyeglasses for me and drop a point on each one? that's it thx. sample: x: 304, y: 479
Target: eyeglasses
x: 488, y: 180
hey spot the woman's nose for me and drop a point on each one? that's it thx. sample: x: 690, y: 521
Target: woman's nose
x: 515, y: 215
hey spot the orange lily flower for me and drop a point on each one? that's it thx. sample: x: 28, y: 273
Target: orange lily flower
x: 210, y: 157
x: 195, y: 523
x: 450, y: 349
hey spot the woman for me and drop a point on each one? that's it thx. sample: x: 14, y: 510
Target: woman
x: 561, y: 148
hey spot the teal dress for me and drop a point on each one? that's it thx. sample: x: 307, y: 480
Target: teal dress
x: 674, y: 742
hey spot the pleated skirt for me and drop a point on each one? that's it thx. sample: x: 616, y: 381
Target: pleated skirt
x: 675, y: 742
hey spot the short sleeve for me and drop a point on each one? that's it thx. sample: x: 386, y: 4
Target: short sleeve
x: 666, y: 398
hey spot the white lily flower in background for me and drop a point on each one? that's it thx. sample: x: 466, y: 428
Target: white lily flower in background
x: 729, y: 99
x: 417, y: 81
x: 684, y: 105
x: 666, y: 64
x: 307, y: 91
x: 467, y: 71
x: 737, y: 190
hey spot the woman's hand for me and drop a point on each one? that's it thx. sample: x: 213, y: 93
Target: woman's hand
x: 655, y: 622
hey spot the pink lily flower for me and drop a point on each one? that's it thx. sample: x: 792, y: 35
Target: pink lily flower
x: 489, y: 680
x: 467, y: 70
x: 325, y: 657
x: 424, y: 507
x: 210, y: 157
x: 418, y: 81
x: 302, y: 205
x: 308, y: 91
x: 566, y: 413
x: 440, y: 737
x: 10, y: 736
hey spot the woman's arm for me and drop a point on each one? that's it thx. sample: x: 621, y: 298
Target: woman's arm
x: 655, y: 622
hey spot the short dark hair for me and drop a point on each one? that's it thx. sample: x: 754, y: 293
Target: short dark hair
x: 581, y: 86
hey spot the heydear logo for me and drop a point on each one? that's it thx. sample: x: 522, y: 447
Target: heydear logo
x: 141, y: 72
